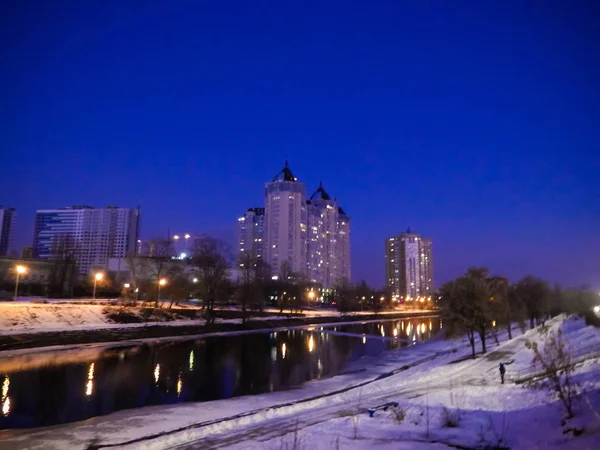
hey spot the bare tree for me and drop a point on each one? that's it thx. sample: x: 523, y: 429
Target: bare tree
x: 499, y: 304
x: 179, y: 287
x: 558, y: 365
x: 535, y: 295
x: 160, y: 265
x: 345, y: 296
x: 252, y: 284
x: 211, y: 259
x: 64, y: 264
x: 246, y: 290
x: 135, y: 267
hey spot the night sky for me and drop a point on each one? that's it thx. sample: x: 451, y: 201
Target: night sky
x: 476, y: 125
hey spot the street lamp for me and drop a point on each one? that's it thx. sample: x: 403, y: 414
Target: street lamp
x: 176, y: 237
x: 311, y: 294
x: 20, y: 270
x: 162, y: 282
x: 187, y: 236
x: 97, y: 277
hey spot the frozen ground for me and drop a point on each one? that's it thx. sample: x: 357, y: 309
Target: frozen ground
x: 423, y: 379
x: 25, y: 316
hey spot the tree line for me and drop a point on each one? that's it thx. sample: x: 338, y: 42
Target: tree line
x: 478, y: 304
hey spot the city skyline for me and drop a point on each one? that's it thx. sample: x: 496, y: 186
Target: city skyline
x: 475, y: 126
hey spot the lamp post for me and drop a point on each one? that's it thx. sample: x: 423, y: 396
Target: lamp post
x: 311, y: 295
x: 97, y: 277
x: 20, y: 270
x: 186, y: 237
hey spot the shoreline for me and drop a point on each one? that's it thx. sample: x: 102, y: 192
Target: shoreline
x: 34, y: 339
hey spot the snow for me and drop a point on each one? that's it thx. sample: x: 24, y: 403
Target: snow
x: 27, y: 316
x: 330, y: 413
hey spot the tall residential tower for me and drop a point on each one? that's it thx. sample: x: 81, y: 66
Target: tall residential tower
x: 285, y: 224
x: 409, y: 266
x: 251, y: 234
x: 7, y: 228
x: 328, y: 246
x: 91, y: 235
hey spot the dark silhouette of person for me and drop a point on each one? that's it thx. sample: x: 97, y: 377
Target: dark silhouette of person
x: 502, y: 372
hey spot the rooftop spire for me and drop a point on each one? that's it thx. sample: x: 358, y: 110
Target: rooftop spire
x: 285, y: 174
x: 320, y: 192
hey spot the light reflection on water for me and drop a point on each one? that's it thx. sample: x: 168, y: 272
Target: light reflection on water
x: 200, y: 370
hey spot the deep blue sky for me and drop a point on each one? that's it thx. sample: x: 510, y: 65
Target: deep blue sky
x: 474, y: 123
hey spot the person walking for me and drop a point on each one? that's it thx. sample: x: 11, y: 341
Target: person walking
x: 502, y: 372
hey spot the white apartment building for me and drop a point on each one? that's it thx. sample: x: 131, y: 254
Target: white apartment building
x: 285, y: 223
x: 251, y: 234
x: 328, y: 245
x: 409, y: 266
x: 93, y: 235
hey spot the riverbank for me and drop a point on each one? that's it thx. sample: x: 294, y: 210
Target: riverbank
x: 430, y: 382
x: 26, y: 325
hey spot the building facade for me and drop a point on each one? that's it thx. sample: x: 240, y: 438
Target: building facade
x: 328, y: 243
x: 90, y: 235
x: 285, y: 224
x: 7, y: 228
x: 251, y: 234
x: 409, y: 267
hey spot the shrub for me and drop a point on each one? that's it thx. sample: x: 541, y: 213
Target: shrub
x: 557, y: 363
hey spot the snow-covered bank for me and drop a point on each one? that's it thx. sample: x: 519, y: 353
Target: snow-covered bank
x: 424, y: 379
x: 26, y: 317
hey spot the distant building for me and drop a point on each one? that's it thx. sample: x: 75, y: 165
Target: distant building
x: 7, y: 228
x: 328, y: 245
x: 285, y: 224
x: 409, y: 267
x: 251, y: 234
x: 90, y: 235
x: 27, y: 252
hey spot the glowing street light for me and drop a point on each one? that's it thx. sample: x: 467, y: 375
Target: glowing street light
x: 20, y: 270
x: 162, y: 282
x: 97, y: 277
x: 311, y: 294
x: 186, y: 237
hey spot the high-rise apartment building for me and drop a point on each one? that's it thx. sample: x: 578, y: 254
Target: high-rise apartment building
x: 409, y: 267
x: 328, y: 244
x: 285, y: 224
x: 310, y: 237
x: 7, y: 228
x: 251, y: 234
x: 91, y: 235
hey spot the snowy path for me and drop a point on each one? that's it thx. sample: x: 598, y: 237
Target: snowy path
x: 268, y: 429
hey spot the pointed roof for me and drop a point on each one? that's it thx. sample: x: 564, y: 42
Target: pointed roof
x: 285, y: 174
x: 320, y: 193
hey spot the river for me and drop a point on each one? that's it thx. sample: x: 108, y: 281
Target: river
x: 52, y: 388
